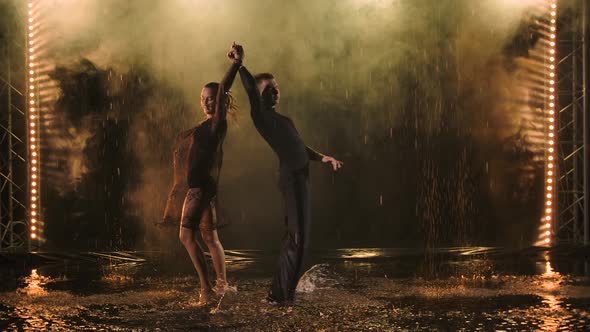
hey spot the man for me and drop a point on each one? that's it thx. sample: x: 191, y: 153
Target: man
x: 294, y: 156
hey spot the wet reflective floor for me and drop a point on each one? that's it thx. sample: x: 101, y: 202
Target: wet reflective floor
x: 453, y: 289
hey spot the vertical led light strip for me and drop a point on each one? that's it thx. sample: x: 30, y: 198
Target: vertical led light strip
x: 547, y: 227
x: 33, y: 120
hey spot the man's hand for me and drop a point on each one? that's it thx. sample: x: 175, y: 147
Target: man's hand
x: 336, y: 164
x: 236, y: 53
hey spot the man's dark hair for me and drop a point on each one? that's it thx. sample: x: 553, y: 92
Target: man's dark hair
x: 263, y: 76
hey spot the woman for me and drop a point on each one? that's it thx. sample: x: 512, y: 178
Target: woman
x: 203, y: 164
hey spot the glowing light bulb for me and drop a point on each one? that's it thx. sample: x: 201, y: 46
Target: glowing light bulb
x: 548, y: 210
x: 550, y: 173
x: 33, y: 235
x: 548, y: 195
x: 549, y: 180
x: 548, y: 225
x: 547, y: 240
x: 550, y: 149
x: 33, y: 228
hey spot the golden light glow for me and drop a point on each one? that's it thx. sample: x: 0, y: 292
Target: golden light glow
x: 549, y: 188
x: 547, y: 240
x: 548, y: 210
x: 33, y: 228
x: 33, y: 235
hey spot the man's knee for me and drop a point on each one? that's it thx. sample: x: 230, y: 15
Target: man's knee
x: 298, y: 240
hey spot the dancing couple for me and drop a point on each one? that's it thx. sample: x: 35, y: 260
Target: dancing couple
x: 200, y: 150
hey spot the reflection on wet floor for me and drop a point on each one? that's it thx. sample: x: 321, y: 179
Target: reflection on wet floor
x: 471, y: 289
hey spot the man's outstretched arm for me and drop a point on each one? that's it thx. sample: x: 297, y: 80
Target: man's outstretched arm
x: 316, y: 156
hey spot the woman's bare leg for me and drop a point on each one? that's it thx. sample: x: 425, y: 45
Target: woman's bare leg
x: 187, y: 237
x: 211, y: 239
